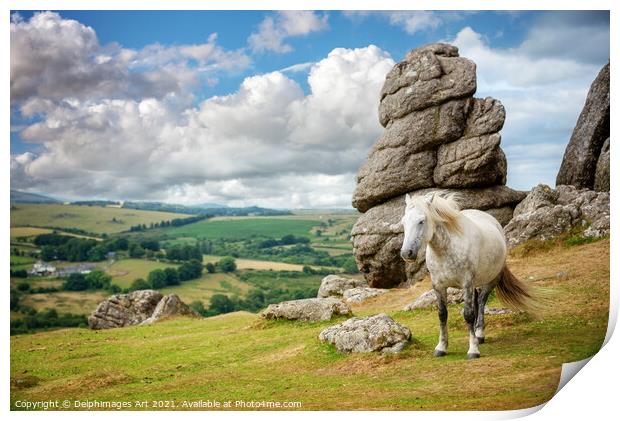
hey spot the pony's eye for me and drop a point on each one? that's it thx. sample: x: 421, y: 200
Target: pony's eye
x: 421, y: 222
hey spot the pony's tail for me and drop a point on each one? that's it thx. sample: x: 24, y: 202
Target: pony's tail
x: 514, y: 293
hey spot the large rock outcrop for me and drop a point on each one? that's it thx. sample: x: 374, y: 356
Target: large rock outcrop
x: 546, y: 213
x: 168, y: 306
x: 307, y: 310
x: 581, y: 158
x: 138, y: 307
x: 378, y: 333
x: 437, y: 136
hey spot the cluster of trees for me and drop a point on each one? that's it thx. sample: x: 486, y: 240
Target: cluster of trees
x: 255, y: 300
x: 284, y: 241
x: 70, y: 248
x: 63, y: 247
x: 307, y: 270
x: 26, y: 287
x: 225, y: 264
x: 176, y: 222
x: 299, y: 253
x: 48, y: 319
x: 33, y: 320
x: 160, y: 278
x: 183, y: 253
x: 96, y: 279
x: 19, y: 273
x: 205, y: 246
x: 350, y: 266
x: 268, y: 287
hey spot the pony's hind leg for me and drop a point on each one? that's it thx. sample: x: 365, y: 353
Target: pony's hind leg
x: 442, y: 306
x: 470, y: 313
x: 483, y: 296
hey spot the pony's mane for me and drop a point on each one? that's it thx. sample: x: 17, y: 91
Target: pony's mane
x: 440, y: 208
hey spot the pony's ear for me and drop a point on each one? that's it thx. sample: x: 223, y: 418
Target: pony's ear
x: 429, y: 199
x: 407, y: 199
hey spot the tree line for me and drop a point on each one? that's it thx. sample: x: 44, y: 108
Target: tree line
x: 61, y: 247
x: 33, y: 320
x: 255, y: 300
x: 176, y: 222
x: 161, y: 278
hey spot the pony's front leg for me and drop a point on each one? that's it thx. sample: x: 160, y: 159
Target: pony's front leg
x: 442, y: 306
x: 469, y: 313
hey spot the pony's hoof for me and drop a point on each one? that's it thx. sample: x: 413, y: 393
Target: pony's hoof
x: 438, y: 353
x: 472, y: 356
x: 480, y: 340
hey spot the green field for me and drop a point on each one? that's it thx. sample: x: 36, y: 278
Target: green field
x: 24, y: 232
x: 244, y: 228
x: 21, y: 262
x: 266, y: 279
x: 239, y: 357
x: 202, y: 289
x: 95, y: 219
x: 125, y: 271
x: 266, y: 275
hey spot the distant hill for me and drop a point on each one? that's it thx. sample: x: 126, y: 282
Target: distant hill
x: 25, y: 197
x: 201, y: 210
x: 96, y: 203
x: 210, y: 206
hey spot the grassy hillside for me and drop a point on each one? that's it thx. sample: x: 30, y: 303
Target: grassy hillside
x: 241, y: 228
x: 240, y: 357
x: 93, y: 219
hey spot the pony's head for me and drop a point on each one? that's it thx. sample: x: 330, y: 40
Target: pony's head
x: 422, y: 216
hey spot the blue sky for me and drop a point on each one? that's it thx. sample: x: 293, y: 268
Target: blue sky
x: 269, y: 108
x: 137, y: 29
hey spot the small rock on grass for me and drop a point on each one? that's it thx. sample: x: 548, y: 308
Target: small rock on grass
x: 358, y: 295
x: 378, y: 333
x: 309, y: 309
x: 335, y: 286
x: 429, y: 299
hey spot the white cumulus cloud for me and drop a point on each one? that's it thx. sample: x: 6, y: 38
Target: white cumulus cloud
x: 267, y: 143
x: 410, y: 21
x: 57, y: 58
x: 274, y: 30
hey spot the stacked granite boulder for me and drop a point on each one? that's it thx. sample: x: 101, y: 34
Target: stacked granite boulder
x: 437, y: 136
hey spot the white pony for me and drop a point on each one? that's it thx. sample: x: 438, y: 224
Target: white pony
x: 464, y: 249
